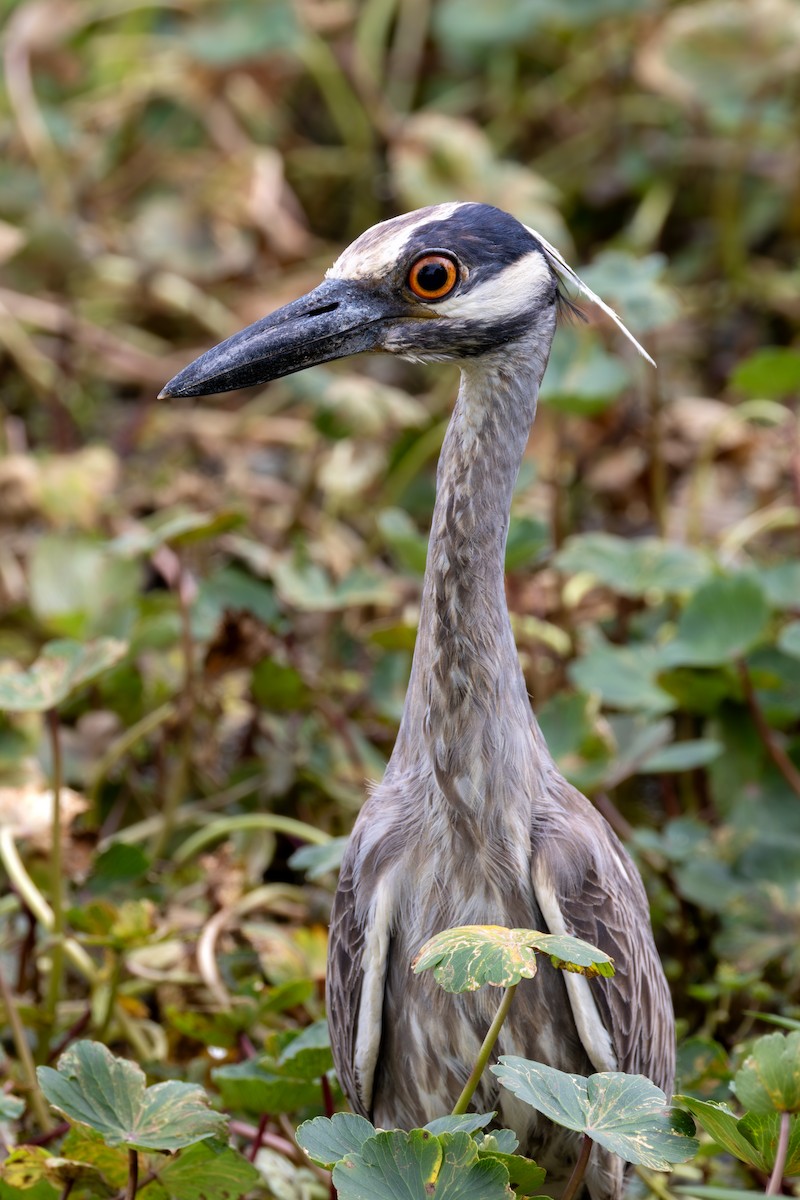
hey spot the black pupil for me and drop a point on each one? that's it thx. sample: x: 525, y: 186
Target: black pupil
x: 432, y: 277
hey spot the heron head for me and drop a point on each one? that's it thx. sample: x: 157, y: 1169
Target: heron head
x: 452, y: 281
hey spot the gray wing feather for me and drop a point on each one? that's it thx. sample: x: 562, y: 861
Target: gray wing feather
x: 343, y: 984
x: 606, y: 905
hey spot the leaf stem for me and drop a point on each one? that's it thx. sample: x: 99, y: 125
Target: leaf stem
x: 38, y: 1103
x: 579, y: 1170
x: 56, y: 870
x: 133, y: 1174
x: 463, y: 1100
x: 776, y: 1178
x: 767, y: 735
x: 654, y: 1183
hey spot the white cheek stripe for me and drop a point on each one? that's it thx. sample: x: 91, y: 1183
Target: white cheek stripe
x: 595, y: 1038
x: 509, y: 293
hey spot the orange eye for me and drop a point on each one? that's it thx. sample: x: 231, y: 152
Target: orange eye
x: 433, y: 277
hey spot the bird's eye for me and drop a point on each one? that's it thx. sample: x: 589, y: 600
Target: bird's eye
x: 433, y: 277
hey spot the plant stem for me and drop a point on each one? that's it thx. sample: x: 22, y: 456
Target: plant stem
x: 776, y: 1178
x: 463, y: 1100
x: 56, y: 871
x: 654, y: 1183
x: 767, y: 735
x: 25, y: 1057
x: 579, y: 1170
x: 133, y: 1174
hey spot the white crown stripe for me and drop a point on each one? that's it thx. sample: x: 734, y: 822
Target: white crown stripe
x: 560, y: 264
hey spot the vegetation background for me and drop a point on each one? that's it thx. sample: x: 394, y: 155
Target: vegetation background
x: 243, y: 574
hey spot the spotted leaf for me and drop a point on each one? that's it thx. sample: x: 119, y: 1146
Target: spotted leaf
x: 420, y: 1166
x: 769, y: 1078
x: 624, y: 1113
x: 466, y: 958
x: 109, y: 1094
x: 327, y: 1140
x: 61, y: 668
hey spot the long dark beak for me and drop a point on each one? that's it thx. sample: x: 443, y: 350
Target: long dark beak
x: 338, y: 318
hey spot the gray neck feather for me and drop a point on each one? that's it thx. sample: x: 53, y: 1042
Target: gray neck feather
x: 467, y: 716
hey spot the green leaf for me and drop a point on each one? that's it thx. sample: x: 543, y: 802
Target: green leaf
x: 468, y: 957
x: 769, y: 1078
x: 308, y: 1056
x: 709, y: 1192
x: 208, y: 1171
x: 501, y: 1141
x: 724, y: 619
x: 418, y: 1166
x: 681, y: 756
x: 634, y: 566
x: 317, y: 861
x: 78, y: 589
x: 528, y: 538
x: 524, y: 1175
x: 88, y: 1146
x: 258, y: 1089
x: 93, y: 1087
x: 11, y: 1107
x: 465, y: 1123
x: 173, y: 529
x: 633, y: 284
x: 773, y: 372
x: 582, y: 377
x: 789, y: 639
x: 623, y: 676
x: 327, y: 1140
x: 61, y: 668
x: 763, y: 1130
x: 723, y: 1126
x: 781, y: 584
x: 624, y: 1113
x: 408, y: 545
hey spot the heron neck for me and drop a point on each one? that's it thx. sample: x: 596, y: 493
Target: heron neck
x: 467, y: 710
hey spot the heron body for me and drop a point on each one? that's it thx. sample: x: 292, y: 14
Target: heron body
x: 472, y: 823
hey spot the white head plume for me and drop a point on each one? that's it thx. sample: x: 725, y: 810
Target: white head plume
x: 562, y: 267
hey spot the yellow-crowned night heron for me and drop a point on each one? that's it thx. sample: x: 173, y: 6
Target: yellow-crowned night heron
x: 472, y: 824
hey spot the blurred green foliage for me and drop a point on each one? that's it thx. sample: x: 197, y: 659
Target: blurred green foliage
x: 171, y: 171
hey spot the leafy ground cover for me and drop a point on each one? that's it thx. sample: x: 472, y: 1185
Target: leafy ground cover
x: 209, y: 610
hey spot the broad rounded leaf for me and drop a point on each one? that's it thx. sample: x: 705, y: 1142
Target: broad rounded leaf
x: 624, y: 1113
x: 208, y: 1171
x: 634, y: 566
x: 61, y: 668
x: 623, y: 676
x: 724, y: 619
x: 466, y: 958
x: 470, y: 956
x: 769, y: 1078
x: 327, y: 1140
x: 258, y: 1089
x: 420, y: 1166
x: 109, y: 1094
